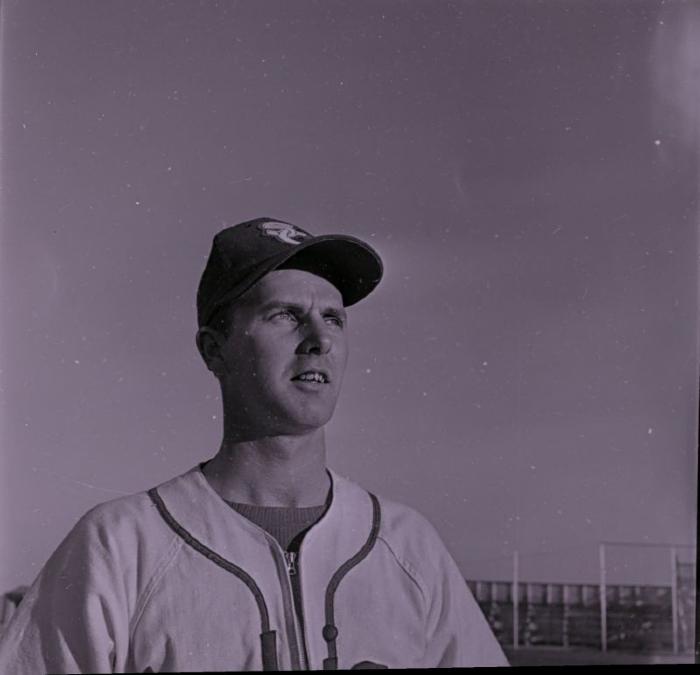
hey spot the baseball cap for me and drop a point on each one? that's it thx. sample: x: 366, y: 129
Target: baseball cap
x: 242, y: 254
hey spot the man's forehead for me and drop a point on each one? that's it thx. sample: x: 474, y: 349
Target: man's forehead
x: 292, y: 286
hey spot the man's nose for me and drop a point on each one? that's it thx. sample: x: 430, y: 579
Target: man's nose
x: 316, y: 339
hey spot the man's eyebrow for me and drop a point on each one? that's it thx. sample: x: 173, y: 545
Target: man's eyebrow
x: 278, y: 304
x: 337, y: 311
x: 283, y: 304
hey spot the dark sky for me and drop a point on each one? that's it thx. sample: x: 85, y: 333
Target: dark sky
x: 526, y: 374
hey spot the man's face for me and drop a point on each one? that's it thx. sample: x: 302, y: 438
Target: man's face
x: 283, y: 359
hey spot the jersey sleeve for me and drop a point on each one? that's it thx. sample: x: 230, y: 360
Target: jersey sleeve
x: 457, y: 633
x: 74, y: 617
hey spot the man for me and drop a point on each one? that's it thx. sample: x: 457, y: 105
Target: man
x: 262, y: 557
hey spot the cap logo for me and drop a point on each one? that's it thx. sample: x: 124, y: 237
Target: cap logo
x: 286, y: 233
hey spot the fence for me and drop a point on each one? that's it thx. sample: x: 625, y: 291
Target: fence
x: 635, y: 618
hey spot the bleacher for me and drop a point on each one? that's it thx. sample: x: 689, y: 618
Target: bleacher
x: 638, y: 618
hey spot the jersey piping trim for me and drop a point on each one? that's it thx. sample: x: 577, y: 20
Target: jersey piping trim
x: 330, y: 631
x: 267, y: 637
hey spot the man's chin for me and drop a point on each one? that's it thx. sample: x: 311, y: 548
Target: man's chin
x: 302, y: 427
x: 300, y: 423
x: 283, y: 422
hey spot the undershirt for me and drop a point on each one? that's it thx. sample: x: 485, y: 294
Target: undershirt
x: 286, y: 524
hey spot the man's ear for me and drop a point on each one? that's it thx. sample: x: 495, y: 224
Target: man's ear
x: 209, y: 344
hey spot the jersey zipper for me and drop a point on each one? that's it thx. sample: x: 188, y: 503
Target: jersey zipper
x: 292, y: 559
x: 283, y: 563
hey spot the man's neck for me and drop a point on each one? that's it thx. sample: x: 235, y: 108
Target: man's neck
x: 271, y: 471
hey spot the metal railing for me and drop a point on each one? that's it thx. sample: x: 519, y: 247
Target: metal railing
x: 639, y: 618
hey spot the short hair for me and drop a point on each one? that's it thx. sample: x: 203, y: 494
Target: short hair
x: 220, y: 320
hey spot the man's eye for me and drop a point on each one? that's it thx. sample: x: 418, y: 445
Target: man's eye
x: 335, y: 320
x: 286, y: 315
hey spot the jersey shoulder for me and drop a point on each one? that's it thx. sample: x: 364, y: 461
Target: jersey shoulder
x: 413, y: 541
x: 129, y: 530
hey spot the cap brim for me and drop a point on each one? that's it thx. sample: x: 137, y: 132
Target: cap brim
x: 350, y: 264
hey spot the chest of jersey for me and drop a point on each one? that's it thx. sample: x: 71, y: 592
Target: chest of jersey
x: 201, y: 617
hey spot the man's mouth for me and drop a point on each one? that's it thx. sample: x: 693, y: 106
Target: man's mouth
x: 312, y: 376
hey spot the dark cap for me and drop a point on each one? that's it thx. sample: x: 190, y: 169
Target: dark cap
x: 242, y: 254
